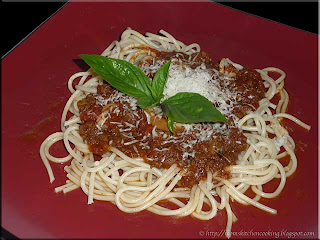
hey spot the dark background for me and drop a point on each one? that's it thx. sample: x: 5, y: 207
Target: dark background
x: 21, y: 18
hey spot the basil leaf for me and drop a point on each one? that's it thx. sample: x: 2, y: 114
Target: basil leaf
x: 147, y: 102
x: 170, y: 125
x: 188, y: 107
x: 121, y: 74
x: 159, y: 81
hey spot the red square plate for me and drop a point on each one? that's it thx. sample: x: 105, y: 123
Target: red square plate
x: 34, y: 91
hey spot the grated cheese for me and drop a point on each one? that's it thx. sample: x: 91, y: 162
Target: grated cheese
x: 154, y: 133
x: 280, y: 141
x: 202, y: 81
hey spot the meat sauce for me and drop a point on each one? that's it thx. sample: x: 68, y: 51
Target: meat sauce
x: 139, y: 133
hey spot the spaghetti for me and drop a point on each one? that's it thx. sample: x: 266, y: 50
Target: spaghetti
x: 133, y: 182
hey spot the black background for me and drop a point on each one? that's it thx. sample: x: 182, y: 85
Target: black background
x: 21, y: 18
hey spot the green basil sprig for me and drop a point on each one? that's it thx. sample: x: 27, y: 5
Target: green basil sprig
x: 183, y: 107
x: 159, y: 81
x: 125, y: 77
x: 191, y: 108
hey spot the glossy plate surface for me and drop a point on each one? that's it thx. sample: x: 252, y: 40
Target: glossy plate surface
x: 34, y: 92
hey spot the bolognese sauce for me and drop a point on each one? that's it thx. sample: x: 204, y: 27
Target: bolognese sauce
x: 111, y: 118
